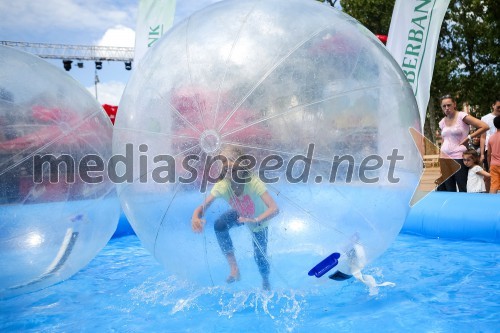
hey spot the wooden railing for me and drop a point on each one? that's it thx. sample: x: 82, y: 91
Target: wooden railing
x: 431, y: 161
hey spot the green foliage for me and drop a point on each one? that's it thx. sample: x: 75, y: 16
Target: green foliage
x: 331, y: 2
x: 467, y: 57
x: 468, y: 54
x: 373, y: 14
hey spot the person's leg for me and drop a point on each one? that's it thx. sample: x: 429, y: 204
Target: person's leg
x: 440, y: 188
x: 495, y: 179
x: 447, y: 167
x: 260, y: 255
x: 221, y: 227
x: 450, y: 184
x: 487, y: 181
x: 485, y: 162
x: 461, y: 176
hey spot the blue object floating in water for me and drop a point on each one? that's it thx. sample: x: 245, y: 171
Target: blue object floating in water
x: 325, y: 265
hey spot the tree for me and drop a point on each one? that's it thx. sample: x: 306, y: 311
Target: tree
x: 331, y: 2
x: 468, y: 54
x: 375, y: 15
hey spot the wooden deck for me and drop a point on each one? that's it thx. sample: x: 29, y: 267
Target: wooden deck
x: 426, y: 183
x: 429, y: 176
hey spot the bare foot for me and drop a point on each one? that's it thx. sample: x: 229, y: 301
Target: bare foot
x: 233, y: 277
x: 235, y: 271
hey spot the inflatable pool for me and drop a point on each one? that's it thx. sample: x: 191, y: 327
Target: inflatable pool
x: 459, y: 216
x: 456, y: 216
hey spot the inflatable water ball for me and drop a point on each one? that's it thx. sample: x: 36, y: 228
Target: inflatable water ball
x: 58, y: 208
x: 311, y: 111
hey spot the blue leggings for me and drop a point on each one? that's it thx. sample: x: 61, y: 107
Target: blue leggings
x: 259, y: 240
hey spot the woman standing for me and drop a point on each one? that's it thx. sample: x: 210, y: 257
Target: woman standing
x: 455, y: 134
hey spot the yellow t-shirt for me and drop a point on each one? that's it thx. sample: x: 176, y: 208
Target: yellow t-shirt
x: 249, y: 204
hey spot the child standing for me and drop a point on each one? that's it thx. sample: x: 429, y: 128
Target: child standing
x: 475, y: 178
x: 494, y: 157
x: 251, y: 205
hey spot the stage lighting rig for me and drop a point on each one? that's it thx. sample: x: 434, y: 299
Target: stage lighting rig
x: 67, y: 65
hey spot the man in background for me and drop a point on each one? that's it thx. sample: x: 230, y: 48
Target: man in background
x: 485, y: 137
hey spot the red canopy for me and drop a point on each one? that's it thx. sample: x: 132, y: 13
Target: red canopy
x: 111, y: 111
x: 48, y: 123
x: 382, y: 38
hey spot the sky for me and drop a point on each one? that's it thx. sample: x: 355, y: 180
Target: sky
x: 83, y: 22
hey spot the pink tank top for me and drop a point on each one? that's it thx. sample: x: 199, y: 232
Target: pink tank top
x: 453, y: 135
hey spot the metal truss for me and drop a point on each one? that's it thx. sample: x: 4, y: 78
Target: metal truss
x: 75, y: 52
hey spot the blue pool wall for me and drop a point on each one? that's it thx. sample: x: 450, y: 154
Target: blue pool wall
x: 123, y: 228
x: 456, y: 216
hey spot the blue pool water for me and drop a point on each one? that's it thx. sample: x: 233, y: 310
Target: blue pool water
x: 441, y: 286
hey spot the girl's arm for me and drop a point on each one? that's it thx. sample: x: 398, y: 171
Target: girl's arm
x: 483, y: 173
x: 271, y: 211
x: 197, y: 222
x: 272, y: 208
